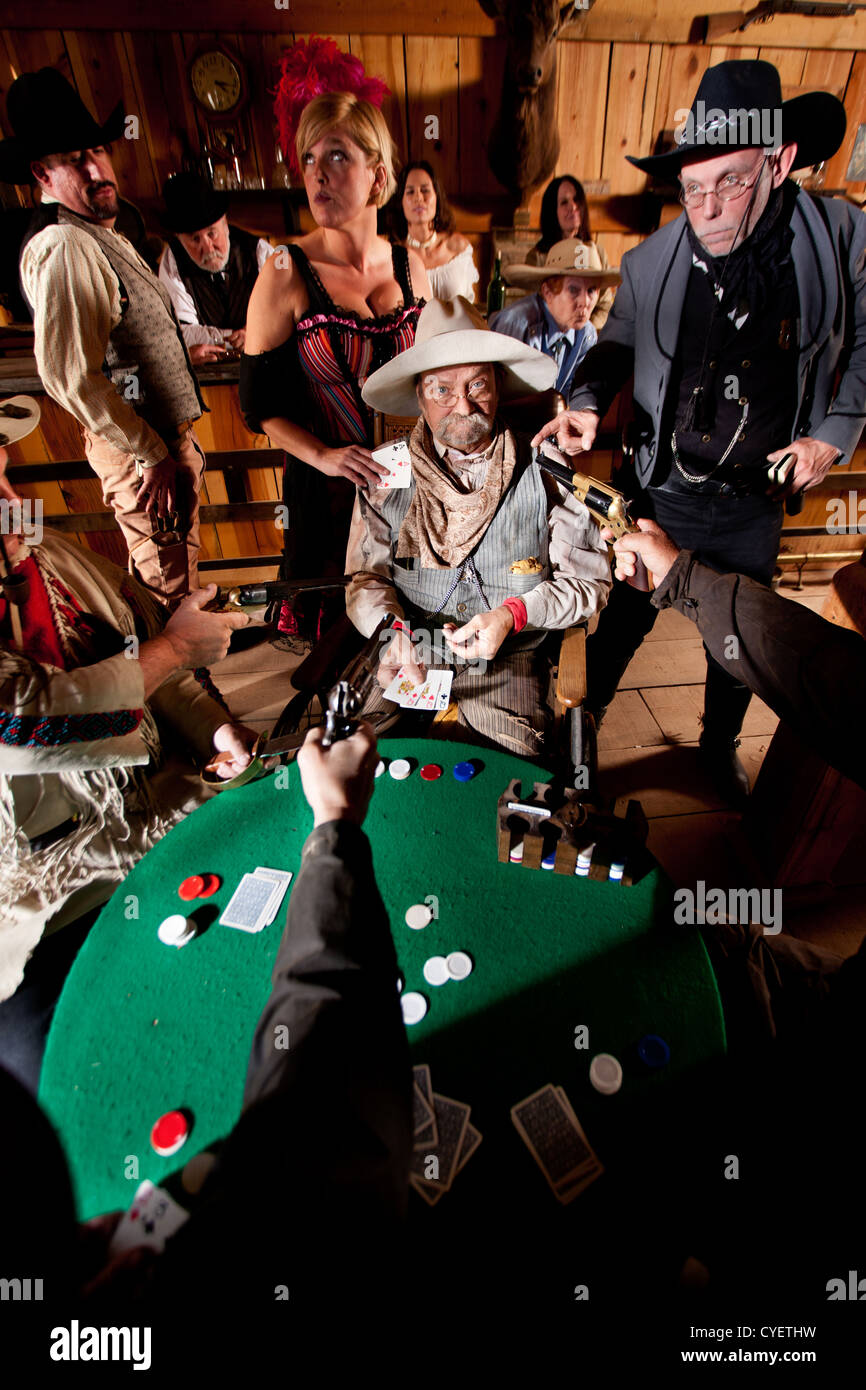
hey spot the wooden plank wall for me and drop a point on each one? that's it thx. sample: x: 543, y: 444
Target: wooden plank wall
x: 614, y: 97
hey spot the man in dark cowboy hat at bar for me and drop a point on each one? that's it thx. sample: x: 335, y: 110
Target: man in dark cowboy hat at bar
x: 108, y: 347
x: 744, y: 323
x: 208, y: 267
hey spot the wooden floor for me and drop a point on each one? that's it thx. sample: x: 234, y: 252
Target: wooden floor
x: 647, y: 750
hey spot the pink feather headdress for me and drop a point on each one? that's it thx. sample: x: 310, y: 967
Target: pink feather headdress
x: 309, y: 68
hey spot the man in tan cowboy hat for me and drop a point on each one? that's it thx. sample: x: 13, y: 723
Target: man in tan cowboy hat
x: 482, y: 547
x: 743, y: 323
x: 556, y: 318
x: 108, y: 347
x: 92, y: 681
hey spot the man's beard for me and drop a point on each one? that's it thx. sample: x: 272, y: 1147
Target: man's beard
x: 102, y: 208
x: 213, y: 263
x: 464, y: 432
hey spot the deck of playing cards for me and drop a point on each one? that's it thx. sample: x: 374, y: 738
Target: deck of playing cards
x: 396, y: 458
x: 255, y: 901
x: 434, y: 693
x: 444, y: 1139
x: 551, y: 1131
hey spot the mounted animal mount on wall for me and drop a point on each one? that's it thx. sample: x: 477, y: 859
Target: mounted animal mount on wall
x: 524, y: 142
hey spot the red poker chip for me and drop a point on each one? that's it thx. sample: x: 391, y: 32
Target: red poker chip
x: 431, y: 772
x: 211, y: 883
x: 170, y: 1133
x: 191, y: 888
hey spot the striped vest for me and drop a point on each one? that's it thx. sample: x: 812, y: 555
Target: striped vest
x: 518, y: 530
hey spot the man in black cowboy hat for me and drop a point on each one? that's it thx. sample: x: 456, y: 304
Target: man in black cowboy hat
x: 744, y: 323
x: 208, y: 267
x: 108, y: 347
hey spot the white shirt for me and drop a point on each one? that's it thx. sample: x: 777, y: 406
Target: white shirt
x: 184, y: 304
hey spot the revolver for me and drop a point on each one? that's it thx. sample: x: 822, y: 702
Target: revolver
x: 608, y: 506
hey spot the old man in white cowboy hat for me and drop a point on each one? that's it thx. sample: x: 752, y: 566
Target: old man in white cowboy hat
x: 481, y: 548
x: 743, y: 323
x: 556, y: 317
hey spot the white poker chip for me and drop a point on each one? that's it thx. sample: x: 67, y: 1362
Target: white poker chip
x: 176, y: 930
x: 459, y: 965
x: 400, y: 769
x: 399, y: 984
x: 419, y: 915
x: 516, y: 853
x: 605, y: 1073
x: 414, y: 1007
x: 381, y: 767
x: 436, y: 971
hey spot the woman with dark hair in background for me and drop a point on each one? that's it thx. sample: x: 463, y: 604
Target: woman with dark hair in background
x: 420, y: 218
x: 565, y: 213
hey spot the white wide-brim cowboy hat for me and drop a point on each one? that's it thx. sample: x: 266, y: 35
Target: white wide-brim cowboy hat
x: 19, y: 416
x: 568, y: 257
x: 452, y: 333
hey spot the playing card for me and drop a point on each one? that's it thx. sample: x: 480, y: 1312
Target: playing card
x: 422, y: 1111
x: 550, y: 1131
x: 452, y: 1117
x: 400, y: 688
x: 471, y: 1140
x: 152, y: 1218
x: 443, y: 693
x: 434, y: 692
x: 430, y: 1194
x: 397, y: 459
x: 421, y: 1077
x: 255, y: 901
x: 282, y: 878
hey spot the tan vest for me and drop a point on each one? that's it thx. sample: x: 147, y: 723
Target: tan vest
x: 145, y: 357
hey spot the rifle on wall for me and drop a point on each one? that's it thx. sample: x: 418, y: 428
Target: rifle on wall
x: 712, y: 27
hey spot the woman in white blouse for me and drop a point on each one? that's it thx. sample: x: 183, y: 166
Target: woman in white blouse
x: 421, y: 219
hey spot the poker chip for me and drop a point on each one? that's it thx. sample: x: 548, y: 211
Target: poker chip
x: 400, y: 769
x: 211, y: 883
x: 615, y: 873
x: 400, y: 984
x: 515, y: 854
x: 605, y: 1073
x: 464, y: 772
x: 584, y: 862
x: 418, y: 915
x: 459, y: 965
x: 170, y: 1133
x: 431, y: 773
x: 653, y: 1051
x: 414, y: 1007
x: 436, y: 971
x: 191, y: 888
x: 176, y: 930
x: 381, y: 767
x: 549, y: 861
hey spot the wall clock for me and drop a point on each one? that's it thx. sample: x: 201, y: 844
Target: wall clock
x: 218, y: 83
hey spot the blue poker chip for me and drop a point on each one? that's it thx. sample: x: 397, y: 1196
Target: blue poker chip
x: 549, y: 861
x: 653, y: 1051
x: 464, y: 772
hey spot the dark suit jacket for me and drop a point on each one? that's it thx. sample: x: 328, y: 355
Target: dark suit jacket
x: 829, y: 253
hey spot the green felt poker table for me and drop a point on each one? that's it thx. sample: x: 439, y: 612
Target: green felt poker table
x: 142, y: 1028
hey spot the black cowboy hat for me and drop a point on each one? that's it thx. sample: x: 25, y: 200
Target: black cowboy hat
x: 191, y: 203
x: 49, y: 117
x: 739, y: 106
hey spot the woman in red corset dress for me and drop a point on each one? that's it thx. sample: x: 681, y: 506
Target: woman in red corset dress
x: 320, y: 320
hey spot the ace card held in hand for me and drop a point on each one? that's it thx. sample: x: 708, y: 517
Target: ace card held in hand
x: 396, y: 458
